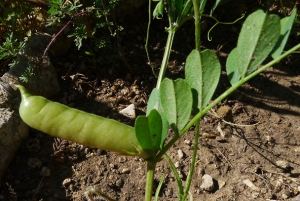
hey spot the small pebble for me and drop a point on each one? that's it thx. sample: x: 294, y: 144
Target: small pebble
x: 208, y: 183
x: 122, y: 159
x: 125, y: 171
x: 221, y: 184
x: 180, y: 154
x: 188, y: 142
x: 283, y: 164
x: 177, y: 165
x: 251, y: 185
x: 129, y: 111
x: 284, y: 196
x: 297, y: 149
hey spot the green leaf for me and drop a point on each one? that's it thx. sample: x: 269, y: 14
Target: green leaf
x: 203, y: 74
x: 154, y: 103
x: 179, y: 6
x: 202, y: 6
x: 176, y: 101
x: 258, y: 36
x: 193, y: 75
x: 286, y: 26
x: 159, y: 10
x: 148, y: 132
x: 232, y: 67
x: 211, y: 75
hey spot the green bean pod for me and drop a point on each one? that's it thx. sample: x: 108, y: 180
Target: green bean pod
x: 78, y: 126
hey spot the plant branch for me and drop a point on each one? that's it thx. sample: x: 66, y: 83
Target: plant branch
x: 197, y: 24
x: 167, y: 52
x: 147, y: 39
x: 151, y: 164
x: 193, y: 163
x: 234, y: 87
x: 222, y: 97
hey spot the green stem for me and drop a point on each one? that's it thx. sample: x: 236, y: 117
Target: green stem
x: 223, y: 96
x: 167, y: 52
x: 192, y: 168
x: 197, y: 24
x: 234, y: 87
x: 147, y: 38
x: 151, y: 164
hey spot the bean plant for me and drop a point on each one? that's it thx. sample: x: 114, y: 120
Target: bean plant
x: 173, y: 104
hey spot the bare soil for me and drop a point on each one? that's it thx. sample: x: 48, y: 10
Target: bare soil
x: 266, y: 151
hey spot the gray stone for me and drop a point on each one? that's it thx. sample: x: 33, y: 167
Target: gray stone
x: 208, y: 183
x: 129, y: 111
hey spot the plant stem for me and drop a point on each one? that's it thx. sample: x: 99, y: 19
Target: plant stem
x: 197, y: 24
x: 234, y: 87
x: 223, y: 96
x: 148, y: 30
x: 151, y: 164
x: 167, y: 52
x: 147, y: 38
x: 193, y: 163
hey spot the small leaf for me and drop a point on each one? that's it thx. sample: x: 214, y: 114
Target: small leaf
x: 258, y: 36
x: 211, y: 75
x: 202, y: 72
x: 159, y: 10
x: 193, y: 75
x: 154, y: 103
x: 148, y: 132
x: 176, y: 101
x: 286, y: 26
x: 232, y: 67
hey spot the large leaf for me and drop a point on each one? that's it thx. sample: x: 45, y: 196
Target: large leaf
x: 155, y: 103
x: 232, y: 67
x: 286, y: 26
x: 148, y: 132
x: 176, y: 100
x: 202, y: 72
x: 258, y: 36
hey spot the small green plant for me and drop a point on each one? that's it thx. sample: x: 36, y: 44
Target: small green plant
x: 172, y: 102
x: 28, y: 72
x: 87, y: 19
x: 10, y: 48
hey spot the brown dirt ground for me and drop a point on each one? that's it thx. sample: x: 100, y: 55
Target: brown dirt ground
x: 269, y: 104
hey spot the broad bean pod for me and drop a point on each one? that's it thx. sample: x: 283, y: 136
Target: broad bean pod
x: 78, y: 126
